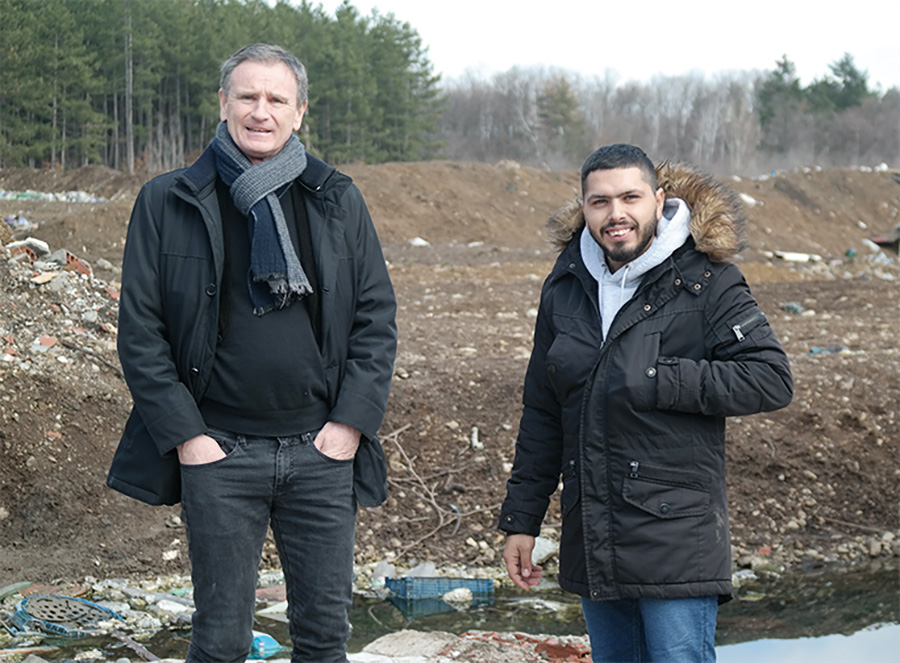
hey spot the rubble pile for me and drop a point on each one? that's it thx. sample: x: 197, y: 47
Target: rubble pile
x: 57, y: 317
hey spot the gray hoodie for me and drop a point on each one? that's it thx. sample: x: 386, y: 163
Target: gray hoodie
x: 614, y: 289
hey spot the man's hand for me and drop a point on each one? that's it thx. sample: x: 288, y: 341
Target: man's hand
x: 200, y: 450
x: 517, y: 555
x: 337, y: 441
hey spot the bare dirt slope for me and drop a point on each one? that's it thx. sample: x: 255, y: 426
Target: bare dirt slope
x: 817, y: 481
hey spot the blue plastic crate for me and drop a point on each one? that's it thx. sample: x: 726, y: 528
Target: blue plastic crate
x: 416, y: 608
x: 435, y: 588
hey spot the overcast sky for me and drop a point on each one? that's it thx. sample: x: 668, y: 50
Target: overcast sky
x: 643, y: 38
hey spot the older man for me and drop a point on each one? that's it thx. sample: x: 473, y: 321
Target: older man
x: 646, y: 340
x: 257, y: 337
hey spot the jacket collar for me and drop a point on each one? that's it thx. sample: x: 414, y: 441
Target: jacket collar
x: 717, y: 215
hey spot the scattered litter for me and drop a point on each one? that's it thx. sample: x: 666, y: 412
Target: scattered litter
x: 60, y: 196
x: 839, y: 349
x: 264, y: 646
x: 474, y: 442
x: 276, y: 611
x: 61, y: 615
x: 420, y: 596
x: 418, y: 241
x: 749, y: 201
x: 18, y: 221
x: 431, y: 588
x: 794, y: 256
x: 792, y: 307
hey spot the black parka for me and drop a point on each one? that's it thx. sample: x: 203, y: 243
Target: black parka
x: 168, y: 321
x: 635, y: 424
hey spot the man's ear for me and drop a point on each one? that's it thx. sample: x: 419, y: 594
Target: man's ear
x: 660, y: 201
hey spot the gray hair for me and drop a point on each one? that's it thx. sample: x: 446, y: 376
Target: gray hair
x: 268, y: 54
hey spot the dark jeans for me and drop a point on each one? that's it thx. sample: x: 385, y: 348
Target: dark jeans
x: 227, y: 507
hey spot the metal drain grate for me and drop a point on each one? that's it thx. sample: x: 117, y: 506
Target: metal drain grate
x: 61, y: 615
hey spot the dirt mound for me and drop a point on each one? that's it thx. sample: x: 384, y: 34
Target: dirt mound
x: 815, y: 482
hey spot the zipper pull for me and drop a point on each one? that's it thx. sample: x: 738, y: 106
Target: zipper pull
x: 634, y: 466
x: 737, y: 332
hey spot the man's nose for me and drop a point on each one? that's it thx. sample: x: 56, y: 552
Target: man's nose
x: 260, y: 108
x: 616, y: 209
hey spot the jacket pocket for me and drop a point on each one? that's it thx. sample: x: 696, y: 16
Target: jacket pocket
x: 633, y: 370
x: 661, y: 532
x: 665, y: 492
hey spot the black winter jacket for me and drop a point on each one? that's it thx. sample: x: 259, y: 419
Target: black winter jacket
x: 635, y: 425
x: 168, y: 321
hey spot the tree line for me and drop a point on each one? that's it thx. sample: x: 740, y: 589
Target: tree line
x: 131, y: 84
x: 738, y: 122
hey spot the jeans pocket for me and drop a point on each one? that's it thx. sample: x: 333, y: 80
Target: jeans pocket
x: 310, y: 439
x: 229, y: 443
x: 323, y: 455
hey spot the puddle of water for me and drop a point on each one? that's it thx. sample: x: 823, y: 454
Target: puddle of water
x: 877, y: 644
x: 835, y: 617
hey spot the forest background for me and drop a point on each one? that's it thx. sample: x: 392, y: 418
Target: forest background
x: 130, y: 84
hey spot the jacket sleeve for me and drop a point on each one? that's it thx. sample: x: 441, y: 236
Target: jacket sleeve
x: 162, y: 401
x: 747, y: 370
x: 372, y: 343
x: 539, y: 445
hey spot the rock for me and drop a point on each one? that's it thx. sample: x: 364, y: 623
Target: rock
x: 405, y: 643
x: 875, y: 548
x: 168, y: 607
x: 458, y: 596
x: 33, y: 658
x: 544, y: 549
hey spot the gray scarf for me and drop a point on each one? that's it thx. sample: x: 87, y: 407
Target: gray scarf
x: 276, y: 276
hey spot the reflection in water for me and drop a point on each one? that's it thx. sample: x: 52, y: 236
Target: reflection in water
x: 872, y: 645
x: 813, y: 604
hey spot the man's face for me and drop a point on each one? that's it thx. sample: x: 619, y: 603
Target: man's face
x: 621, y: 212
x: 261, y: 108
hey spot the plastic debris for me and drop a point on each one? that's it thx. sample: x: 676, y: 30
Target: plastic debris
x: 792, y: 307
x: 264, y: 646
x: 839, y: 349
x: 61, y: 615
x: 60, y: 196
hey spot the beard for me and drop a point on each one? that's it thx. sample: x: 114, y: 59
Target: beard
x: 624, y: 254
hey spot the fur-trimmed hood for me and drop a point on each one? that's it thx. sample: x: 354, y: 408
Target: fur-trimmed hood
x: 717, y: 215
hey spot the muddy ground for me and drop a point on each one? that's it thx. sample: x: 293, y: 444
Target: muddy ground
x: 812, y: 484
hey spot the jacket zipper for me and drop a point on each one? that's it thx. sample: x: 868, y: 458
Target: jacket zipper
x: 633, y: 466
x: 737, y: 329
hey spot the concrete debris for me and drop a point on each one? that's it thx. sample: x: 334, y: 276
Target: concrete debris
x: 70, y: 326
